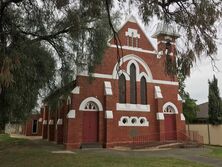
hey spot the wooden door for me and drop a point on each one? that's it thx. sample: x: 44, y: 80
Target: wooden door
x: 170, y: 126
x: 90, y: 127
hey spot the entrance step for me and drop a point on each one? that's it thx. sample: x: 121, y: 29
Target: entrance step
x: 91, y: 145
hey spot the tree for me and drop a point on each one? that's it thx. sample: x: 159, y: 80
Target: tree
x: 215, y: 104
x: 190, y: 109
x: 35, y: 69
x: 40, y: 41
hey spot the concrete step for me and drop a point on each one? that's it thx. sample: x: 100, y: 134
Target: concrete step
x: 91, y: 145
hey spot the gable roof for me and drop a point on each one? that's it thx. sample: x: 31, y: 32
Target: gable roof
x: 203, y: 113
x: 132, y: 18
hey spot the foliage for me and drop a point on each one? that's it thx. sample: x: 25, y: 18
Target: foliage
x: 36, y: 69
x: 190, y: 109
x: 196, y: 21
x: 40, y: 41
x: 215, y: 104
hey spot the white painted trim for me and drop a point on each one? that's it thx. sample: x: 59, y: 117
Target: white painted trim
x: 134, y: 49
x: 131, y: 31
x: 138, y: 60
x: 132, y: 107
x: 44, y: 122
x: 59, y: 121
x: 108, y: 76
x: 71, y: 114
x: 158, y: 93
x: 127, y: 76
x: 98, y: 75
x: 68, y: 101
x: 172, y: 105
x: 172, y: 43
x: 179, y: 98
x: 109, y: 114
x: 136, y: 66
x: 40, y: 119
x: 76, y: 90
x: 88, y: 99
x: 129, y: 121
x: 138, y: 78
x: 51, y: 122
x: 182, y: 117
x: 165, y: 82
x: 159, y: 54
x: 160, y: 116
x: 108, y: 88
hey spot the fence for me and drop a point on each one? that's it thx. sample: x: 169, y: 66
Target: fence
x: 180, y: 136
x: 212, y: 134
x: 13, y: 128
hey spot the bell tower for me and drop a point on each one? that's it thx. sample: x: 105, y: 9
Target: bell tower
x: 166, y: 35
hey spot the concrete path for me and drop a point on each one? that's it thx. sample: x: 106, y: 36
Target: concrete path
x: 25, y: 137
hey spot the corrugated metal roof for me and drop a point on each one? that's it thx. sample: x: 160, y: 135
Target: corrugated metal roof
x: 164, y: 28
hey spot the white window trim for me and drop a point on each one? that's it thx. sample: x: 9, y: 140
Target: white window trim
x: 88, y: 99
x: 132, y: 107
x: 136, y: 60
x: 129, y: 121
x: 172, y: 105
x: 136, y: 66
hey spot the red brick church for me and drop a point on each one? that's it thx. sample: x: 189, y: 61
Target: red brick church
x: 119, y: 106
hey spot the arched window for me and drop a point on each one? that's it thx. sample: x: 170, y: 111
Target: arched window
x: 122, y: 89
x: 132, y: 84
x: 169, y: 109
x: 143, y: 90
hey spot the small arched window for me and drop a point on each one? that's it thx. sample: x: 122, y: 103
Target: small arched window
x: 132, y: 84
x: 122, y: 89
x: 143, y: 90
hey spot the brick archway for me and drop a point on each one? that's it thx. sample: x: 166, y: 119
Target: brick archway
x: 170, y: 111
x: 90, y: 123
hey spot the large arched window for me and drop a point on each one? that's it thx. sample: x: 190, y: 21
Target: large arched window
x: 122, y: 89
x: 132, y: 84
x: 143, y: 90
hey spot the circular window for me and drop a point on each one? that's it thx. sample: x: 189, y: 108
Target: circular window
x: 124, y: 120
x: 142, y: 121
x: 133, y: 120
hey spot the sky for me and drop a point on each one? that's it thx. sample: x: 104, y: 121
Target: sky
x: 197, y: 82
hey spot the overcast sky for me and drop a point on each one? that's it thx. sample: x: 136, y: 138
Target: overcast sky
x: 197, y: 83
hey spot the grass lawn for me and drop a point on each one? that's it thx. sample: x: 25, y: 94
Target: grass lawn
x: 215, y: 152
x: 27, y: 153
